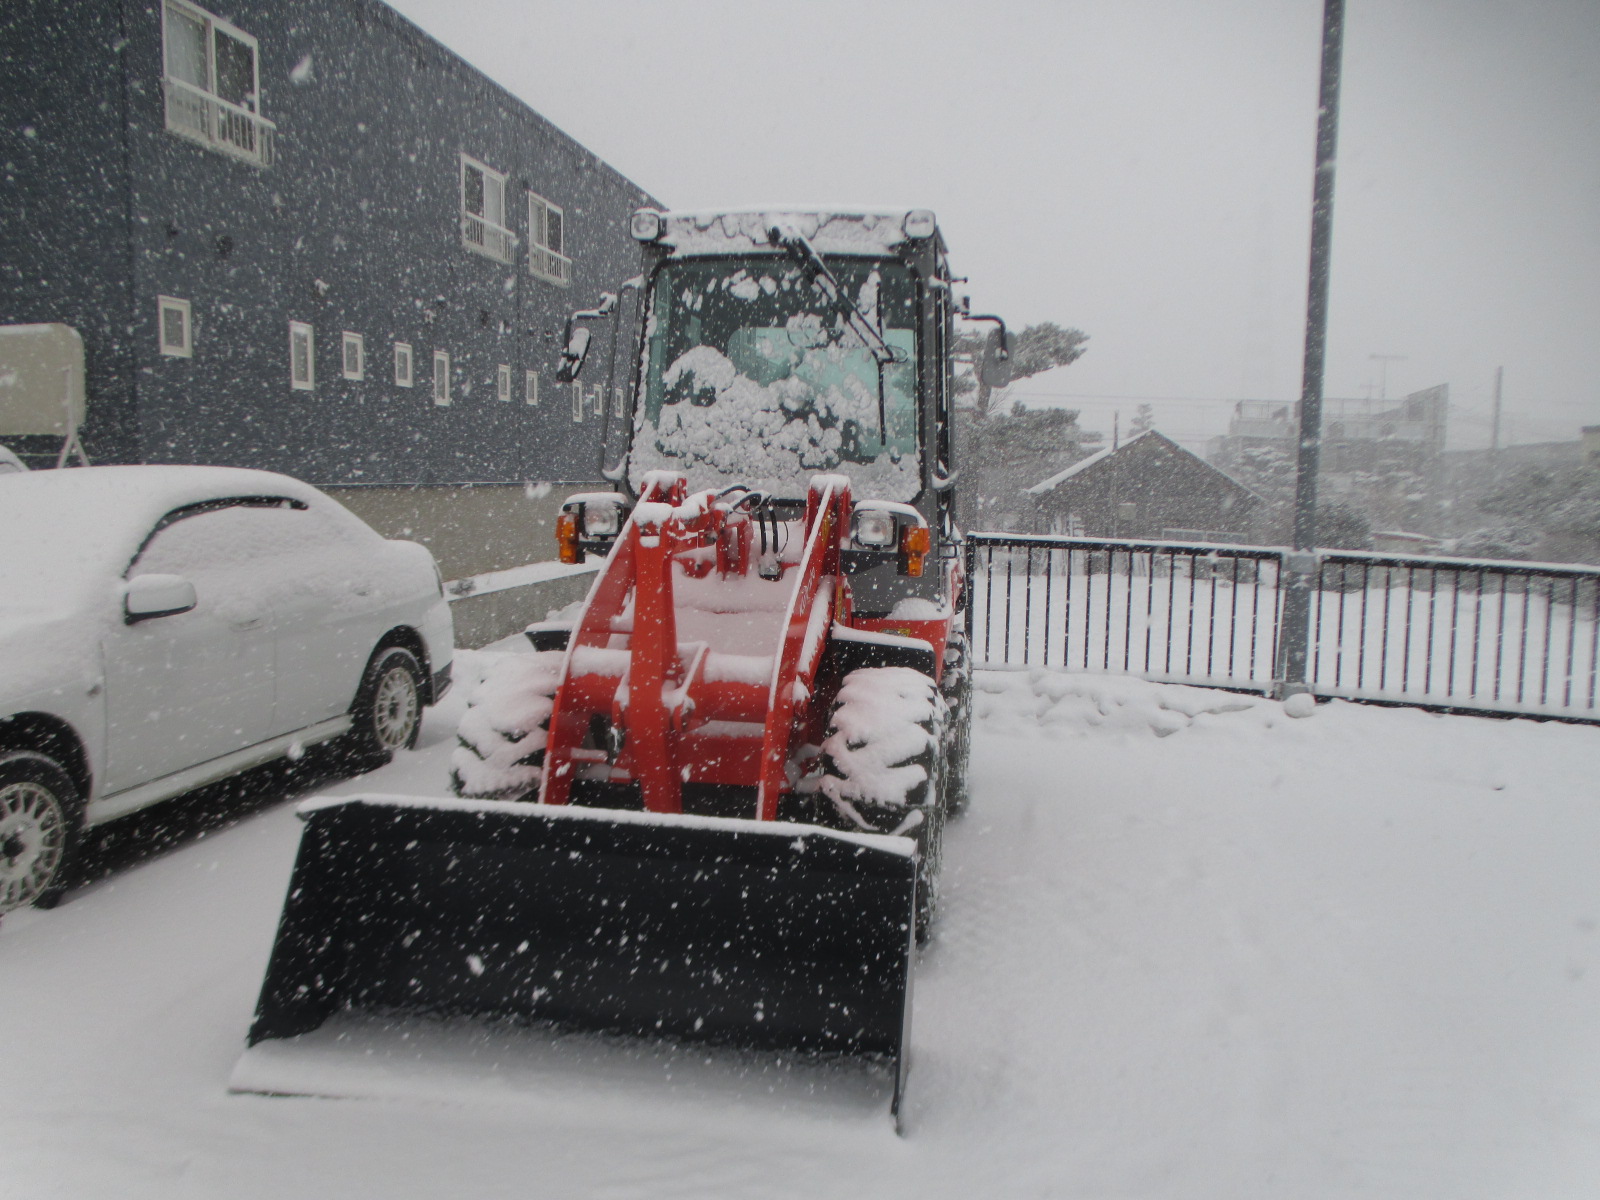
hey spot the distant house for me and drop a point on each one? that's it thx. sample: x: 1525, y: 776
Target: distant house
x: 302, y: 236
x: 1148, y: 487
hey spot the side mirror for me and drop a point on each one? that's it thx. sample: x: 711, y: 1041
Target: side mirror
x: 995, y: 367
x: 573, y: 354
x: 575, y: 340
x: 148, y: 596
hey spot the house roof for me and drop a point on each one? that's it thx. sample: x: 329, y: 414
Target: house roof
x: 1083, y: 464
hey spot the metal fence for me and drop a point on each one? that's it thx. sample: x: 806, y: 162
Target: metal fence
x: 1448, y: 633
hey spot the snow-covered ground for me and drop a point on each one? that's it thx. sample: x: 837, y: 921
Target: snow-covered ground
x: 1189, y: 947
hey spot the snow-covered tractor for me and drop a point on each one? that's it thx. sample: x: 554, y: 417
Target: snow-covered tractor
x: 744, y: 748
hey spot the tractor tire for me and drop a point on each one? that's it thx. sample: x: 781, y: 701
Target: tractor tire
x: 40, y: 821
x: 501, y: 740
x: 883, y: 767
x: 956, y: 687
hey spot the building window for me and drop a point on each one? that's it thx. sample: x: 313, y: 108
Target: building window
x: 621, y: 402
x: 402, y: 364
x: 502, y: 384
x: 355, y: 356
x: 212, y: 84
x: 483, y: 210
x: 177, y: 332
x: 302, y: 357
x: 577, y: 401
x: 597, y: 397
x: 530, y: 387
x: 441, y: 377
x: 547, y: 241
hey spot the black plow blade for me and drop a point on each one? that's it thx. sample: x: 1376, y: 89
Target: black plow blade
x: 756, y: 935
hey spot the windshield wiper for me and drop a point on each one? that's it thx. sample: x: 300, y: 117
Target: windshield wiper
x: 798, y: 245
x: 801, y: 249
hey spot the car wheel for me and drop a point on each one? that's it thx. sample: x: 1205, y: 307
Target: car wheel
x: 388, y: 708
x: 38, y: 829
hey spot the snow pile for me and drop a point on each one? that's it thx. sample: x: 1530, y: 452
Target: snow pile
x: 502, y: 737
x: 887, y: 719
x: 1059, y: 704
x: 818, y: 409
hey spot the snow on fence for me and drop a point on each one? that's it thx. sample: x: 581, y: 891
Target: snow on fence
x: 1441, y: 632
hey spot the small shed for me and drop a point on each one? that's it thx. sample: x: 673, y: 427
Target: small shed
x: 1148, y: 487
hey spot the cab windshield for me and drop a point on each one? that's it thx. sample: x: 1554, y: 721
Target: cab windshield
x: 752, y: 375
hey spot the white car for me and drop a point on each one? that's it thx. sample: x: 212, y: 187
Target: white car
x: 164, y: 627
x: 10, y: 463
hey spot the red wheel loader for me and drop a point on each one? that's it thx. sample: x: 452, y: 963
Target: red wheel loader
x: 711, y: 807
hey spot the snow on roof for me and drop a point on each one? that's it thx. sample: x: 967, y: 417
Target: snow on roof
x: 62, y: 528
x: 1084, y: 464
x: 832, y: 230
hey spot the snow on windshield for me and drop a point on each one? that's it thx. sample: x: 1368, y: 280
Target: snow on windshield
x: 752, y: 376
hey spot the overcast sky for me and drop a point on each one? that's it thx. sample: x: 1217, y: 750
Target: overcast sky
x: 1141, y: 169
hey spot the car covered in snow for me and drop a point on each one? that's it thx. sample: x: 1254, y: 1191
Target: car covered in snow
x: 10, y: 464
x: 164, y: 627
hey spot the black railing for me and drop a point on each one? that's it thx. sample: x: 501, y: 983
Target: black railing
x: 1440, y: 632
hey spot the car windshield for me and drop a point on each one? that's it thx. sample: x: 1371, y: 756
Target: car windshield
x: 752, y: 375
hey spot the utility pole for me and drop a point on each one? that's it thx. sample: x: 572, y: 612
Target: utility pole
x: 1300, y: 567
x: 1494, y: 422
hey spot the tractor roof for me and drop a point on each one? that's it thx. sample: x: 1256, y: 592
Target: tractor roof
x: 831, y: 230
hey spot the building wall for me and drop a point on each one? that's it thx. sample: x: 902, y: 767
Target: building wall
x: 355, y: 226
x: 64, y: 248
x: 471, y: 530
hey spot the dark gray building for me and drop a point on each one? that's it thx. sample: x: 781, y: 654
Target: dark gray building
x: 302, y: 235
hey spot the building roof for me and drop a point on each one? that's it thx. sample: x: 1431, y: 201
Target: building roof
x: 1084, y: 464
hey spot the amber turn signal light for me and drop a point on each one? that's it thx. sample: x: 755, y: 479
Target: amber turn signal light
x: 567, y: 538
x: 914, y: 543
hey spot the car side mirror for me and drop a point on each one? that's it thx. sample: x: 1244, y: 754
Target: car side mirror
x: 149, y: 596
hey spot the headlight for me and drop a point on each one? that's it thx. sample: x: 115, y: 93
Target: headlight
x: 919, y: 223
x: 875, y: 529
x: 601, y: 520
x: 646, y: 224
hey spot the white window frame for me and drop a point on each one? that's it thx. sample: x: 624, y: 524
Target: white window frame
x: 184, y: 346
x: 196, y: 110
x: 480, y: 232
x: 546, y: 250
x: 308, y: 382
x: 577, y: 402
x: 441, y: 378
x: 530, y: 388
x: 598, y: 397
x: 402, y: 355
x: 358, y: 343
x: 502, y: 383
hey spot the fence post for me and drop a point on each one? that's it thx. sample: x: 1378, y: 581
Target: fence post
x: 970, y: 553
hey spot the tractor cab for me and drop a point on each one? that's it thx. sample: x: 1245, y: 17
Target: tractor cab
x: 778, y: 345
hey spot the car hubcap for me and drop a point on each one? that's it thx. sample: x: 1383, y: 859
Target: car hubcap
x: 394, y: 708
x: 32, y: 838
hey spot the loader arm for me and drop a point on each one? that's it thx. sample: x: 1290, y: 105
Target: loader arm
x: 655, y: 694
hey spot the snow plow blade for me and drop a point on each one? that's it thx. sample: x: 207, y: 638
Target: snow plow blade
x: 752, y: 934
